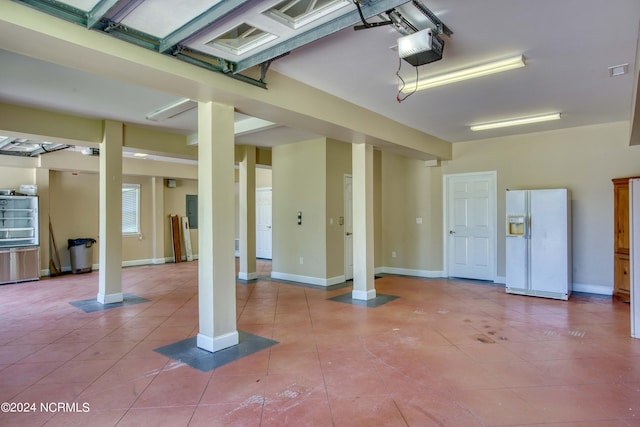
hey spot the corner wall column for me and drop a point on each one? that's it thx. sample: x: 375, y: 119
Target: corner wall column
x: 216, y: 235
x: 110, y: 236
x: 248, y: 214
x: 363, y: 237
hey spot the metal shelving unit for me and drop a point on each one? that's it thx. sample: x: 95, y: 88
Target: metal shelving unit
x: 19, y: 239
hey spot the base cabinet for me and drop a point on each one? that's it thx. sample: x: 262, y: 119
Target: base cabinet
x: 19, y: 264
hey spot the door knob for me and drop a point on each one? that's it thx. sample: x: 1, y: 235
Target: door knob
x: 452, y: 232
x: 349, y: 234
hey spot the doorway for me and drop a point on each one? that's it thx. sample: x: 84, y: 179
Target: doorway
x: 348, y: 227
x: 263, y: 223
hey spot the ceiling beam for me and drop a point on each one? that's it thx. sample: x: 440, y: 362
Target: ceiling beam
x: 369, y: 9
x: 200, y: 22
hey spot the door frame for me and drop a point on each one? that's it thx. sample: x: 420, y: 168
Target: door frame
x: 493, y: 205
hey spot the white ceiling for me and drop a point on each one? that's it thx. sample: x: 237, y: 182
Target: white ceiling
x: 568, y: 46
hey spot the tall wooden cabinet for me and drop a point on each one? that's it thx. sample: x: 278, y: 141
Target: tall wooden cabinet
x: 621, y: 283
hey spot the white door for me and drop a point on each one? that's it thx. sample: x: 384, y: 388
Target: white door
x: 348, y: 227
x: 263, y: 223
x: 470, y: 228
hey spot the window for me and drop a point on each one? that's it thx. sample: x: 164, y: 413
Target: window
x: 130, y: 209
x: 192, y: 210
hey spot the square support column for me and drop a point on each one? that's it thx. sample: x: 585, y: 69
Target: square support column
x: 247, y: 192
x: 46, y: 252
x: 157, y: 220
x: 363, y: 238
x: 216, y: 236
x: 110, y: 237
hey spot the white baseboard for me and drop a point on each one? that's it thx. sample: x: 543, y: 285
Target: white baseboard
x: 411, y: 272
x: 247, y: 276
x: 363, y: 295
x: 110, y: 298
x: 318, y: 281
x: 217, y: 343
x: 134, y: 263
x: 592, y: 289
x: 501, y: 280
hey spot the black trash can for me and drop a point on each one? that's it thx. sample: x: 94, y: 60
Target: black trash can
x: 81, y: 254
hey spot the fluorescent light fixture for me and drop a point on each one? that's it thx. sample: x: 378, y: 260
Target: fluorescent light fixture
x: 465, y: 74
x: 516, y: 122
x: 171, y: 110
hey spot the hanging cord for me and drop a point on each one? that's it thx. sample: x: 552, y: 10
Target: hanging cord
x: 402, y: 83
x: 366, y: 24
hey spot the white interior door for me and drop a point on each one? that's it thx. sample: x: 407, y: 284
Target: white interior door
x: 263, y: 223
x: 348, y: 227
x: 470, y: 229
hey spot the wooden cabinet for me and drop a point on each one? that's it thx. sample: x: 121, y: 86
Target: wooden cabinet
x: 621, y: 284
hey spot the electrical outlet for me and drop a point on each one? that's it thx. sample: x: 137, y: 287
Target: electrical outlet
x: 394, y: 254
x: 301, y: 260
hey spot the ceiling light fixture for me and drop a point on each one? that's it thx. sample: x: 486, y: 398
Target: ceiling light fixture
x: 465, y: 74
x: 516, y: 122
x: 172, y: 110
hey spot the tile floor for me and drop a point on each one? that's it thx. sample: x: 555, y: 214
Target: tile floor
x: 444, y: 353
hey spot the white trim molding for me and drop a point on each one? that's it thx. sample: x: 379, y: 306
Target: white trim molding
x: 318, y: 281
x: 110, y: 298
x: 247, y: 276
x: 412, y: 272
x: 363, y: 295
x: 217, y: 343
x: 592, y: 289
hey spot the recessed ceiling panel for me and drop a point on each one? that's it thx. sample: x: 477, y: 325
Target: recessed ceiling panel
x: 160, y: 18
x: 297, y: 13
x: 242, y: 39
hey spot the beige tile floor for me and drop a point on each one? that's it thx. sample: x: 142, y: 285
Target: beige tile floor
x: 445, y: 353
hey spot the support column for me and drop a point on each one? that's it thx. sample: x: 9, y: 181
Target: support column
x: 110, y: 237
x: 216, y: 216
x: 363, y: 238
x: 42, y: 182
x: 248, y: 214
x: 157, y: 220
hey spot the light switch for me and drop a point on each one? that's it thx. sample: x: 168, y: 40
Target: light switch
x: 418, y: 220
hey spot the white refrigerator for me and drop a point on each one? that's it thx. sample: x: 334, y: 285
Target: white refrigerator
x: 538, y: 246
